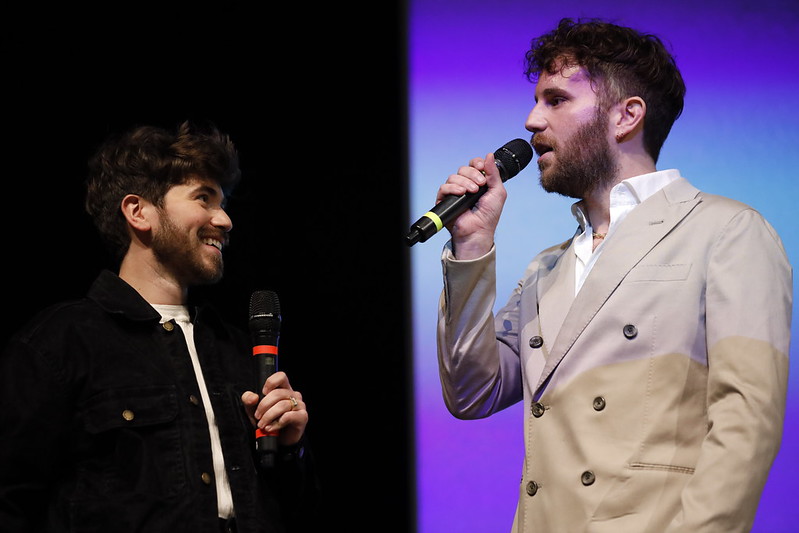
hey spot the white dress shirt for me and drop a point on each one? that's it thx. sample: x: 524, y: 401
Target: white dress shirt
x: 624, y: 197
x: 180, y: 314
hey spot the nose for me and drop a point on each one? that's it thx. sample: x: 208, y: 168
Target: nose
x: 535, y: 120
x: 220, y: 219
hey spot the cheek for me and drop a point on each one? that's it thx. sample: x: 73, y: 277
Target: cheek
x: 586, y: 115
x: 192, y: 218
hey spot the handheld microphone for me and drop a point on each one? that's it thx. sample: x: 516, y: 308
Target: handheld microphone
x: 511, y: 158
x: 265, y: 332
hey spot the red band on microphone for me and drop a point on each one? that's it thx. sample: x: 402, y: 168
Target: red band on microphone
x: 264, y: 348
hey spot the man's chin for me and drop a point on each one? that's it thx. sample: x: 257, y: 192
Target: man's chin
x: 209, y: 275
x: 549, y: 182
x: 216, y: 275
x: 560, y: 187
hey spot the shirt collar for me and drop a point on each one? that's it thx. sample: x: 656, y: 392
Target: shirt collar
x: 631, y: 192
x: 116, y: 296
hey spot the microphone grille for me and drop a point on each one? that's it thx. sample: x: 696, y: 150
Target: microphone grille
x: 264, y: 304
x: 513, y: 157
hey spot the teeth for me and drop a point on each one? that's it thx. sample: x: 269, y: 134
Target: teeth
x: 213, y: 242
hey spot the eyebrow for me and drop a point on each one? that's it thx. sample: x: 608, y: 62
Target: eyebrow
x: 205, y: 188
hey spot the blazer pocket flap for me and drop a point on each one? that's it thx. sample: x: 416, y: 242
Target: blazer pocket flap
x: 130, y: 407
x: 675, y: 272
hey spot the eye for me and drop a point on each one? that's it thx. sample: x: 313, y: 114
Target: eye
x: 555, y: 101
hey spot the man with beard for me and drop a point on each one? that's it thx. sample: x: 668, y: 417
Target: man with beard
x: 649, y: 349
x: 132, y: 409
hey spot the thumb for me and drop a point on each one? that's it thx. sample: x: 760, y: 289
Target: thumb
x: 491, y: 171
x: 250, y: 401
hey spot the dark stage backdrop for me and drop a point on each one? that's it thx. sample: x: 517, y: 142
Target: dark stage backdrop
x: 315, y: 102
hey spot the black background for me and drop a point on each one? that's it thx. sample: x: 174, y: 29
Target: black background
x: 313, y: 96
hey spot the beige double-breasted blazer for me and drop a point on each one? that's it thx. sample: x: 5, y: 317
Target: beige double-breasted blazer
x: 654, y: 398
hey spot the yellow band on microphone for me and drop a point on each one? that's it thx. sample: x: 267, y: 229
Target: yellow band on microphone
x: 437, y: 221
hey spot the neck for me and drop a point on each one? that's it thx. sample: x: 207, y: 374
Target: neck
x: 151, y: 281
x: 597, y: 203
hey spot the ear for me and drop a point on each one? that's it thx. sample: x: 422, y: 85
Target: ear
x: 630, y: 117
x: 136, y: 211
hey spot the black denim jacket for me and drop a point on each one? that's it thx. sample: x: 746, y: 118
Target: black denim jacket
x: 102, y: 427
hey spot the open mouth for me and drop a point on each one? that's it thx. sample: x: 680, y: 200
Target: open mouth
x: 541, y: 148
x: 213, y: 242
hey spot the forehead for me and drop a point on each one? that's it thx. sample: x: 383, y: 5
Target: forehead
x: 571, y: 79
x: 197, y: 182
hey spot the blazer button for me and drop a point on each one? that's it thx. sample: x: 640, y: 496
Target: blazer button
x: 536, y: 342
x: 537, y: 409
x: 531, y: 488
x: 169, y: 326
x: 599, y: 403
x: 588, y: 478
x: 128, y: 415
x: 194, y: 399
x: 630, y: 331
x: 206, y: 477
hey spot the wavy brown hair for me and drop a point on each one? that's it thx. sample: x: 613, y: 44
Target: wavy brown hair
x: 148, y: 161
x: 621, y: 62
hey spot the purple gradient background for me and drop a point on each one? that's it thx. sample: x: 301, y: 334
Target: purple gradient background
x: 467, y: 96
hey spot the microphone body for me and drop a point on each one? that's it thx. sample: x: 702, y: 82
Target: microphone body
x: 511, y: 158
x: 265, y: 333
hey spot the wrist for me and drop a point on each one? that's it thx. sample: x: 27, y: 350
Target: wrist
x: 288, y: 452
x: 472, y: 248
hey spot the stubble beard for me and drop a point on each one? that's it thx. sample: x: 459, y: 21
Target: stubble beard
x: 585, y: 164
x: 176, y: 250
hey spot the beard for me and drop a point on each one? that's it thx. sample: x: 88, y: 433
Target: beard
x: 182, y: 255
x: 585, y: 164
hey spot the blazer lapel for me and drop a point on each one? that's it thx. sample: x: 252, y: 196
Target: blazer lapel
x: 556, y: 290
x: 642, y: 229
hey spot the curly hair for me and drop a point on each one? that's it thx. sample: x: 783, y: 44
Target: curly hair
x: 621, y: 62
x: 148, y: 161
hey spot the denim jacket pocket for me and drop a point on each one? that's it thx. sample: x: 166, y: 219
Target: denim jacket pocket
x: 136, y: 443
x: 130, y: 408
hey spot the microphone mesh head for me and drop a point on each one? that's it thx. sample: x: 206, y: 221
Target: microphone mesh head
x: 264, y: 303
x: 513, y: 157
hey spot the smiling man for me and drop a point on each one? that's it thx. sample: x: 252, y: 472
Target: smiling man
x: 650, y: 348
x: 152, y: 401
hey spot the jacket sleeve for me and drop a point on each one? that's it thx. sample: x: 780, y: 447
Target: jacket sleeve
x: 748, y: 319
x: 480, y: 374
x: 33, y: 413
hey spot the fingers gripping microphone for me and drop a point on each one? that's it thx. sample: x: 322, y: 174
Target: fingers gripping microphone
x: 511, y: 159
x: 265, y: 332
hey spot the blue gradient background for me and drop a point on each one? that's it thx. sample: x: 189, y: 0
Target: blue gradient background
x: 468, y: 96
